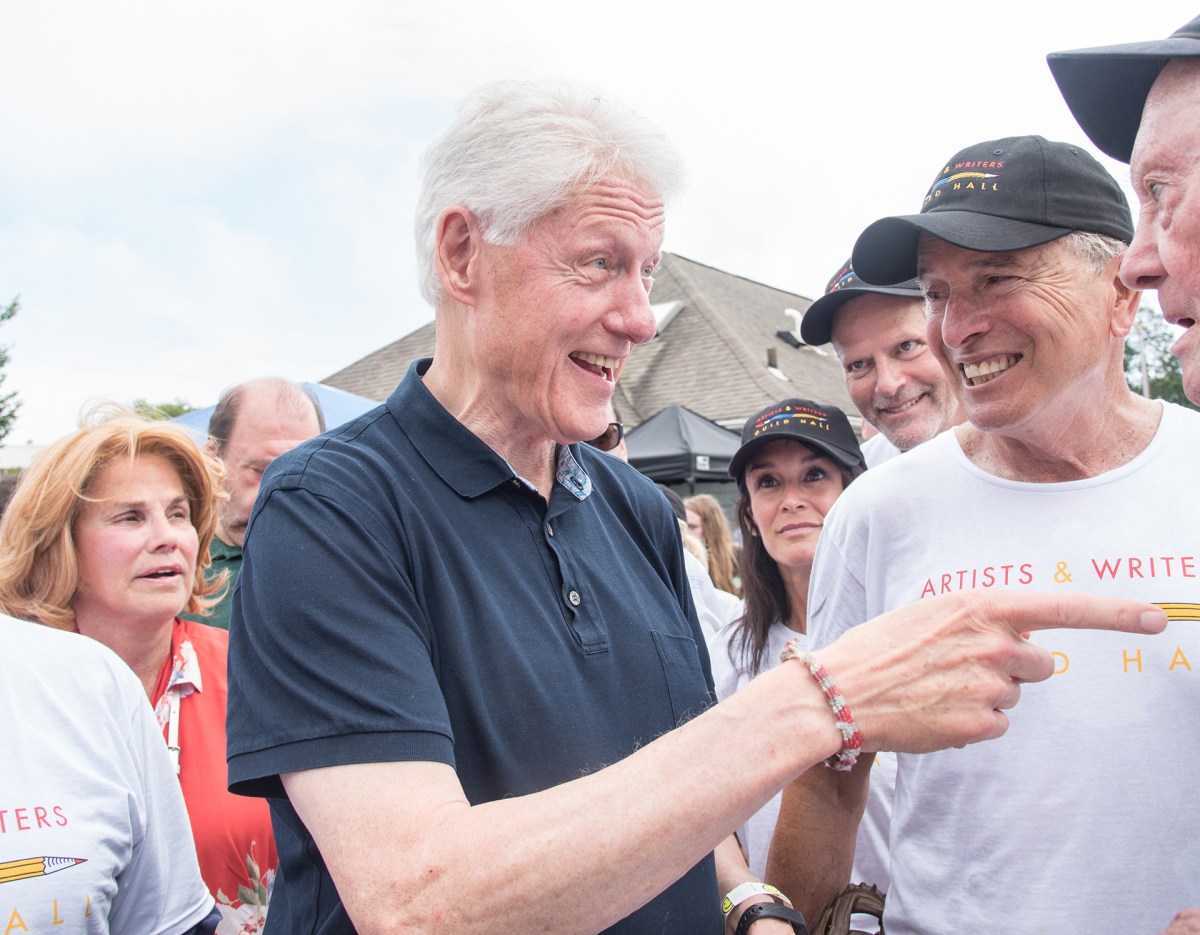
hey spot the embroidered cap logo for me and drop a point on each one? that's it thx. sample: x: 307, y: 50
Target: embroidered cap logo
x: 784, y: 415
x: 965, y: 177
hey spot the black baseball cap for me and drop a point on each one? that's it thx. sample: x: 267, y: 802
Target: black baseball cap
x: 825, y: 428
x: 1106, y: 87
x: 1007, y: 194
x: 816, y: 327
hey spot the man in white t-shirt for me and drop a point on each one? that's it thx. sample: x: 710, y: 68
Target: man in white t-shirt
x: 1062, y: 480
x: 879, y: 335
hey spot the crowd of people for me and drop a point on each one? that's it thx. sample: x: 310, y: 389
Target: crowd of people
x: 456, y: 667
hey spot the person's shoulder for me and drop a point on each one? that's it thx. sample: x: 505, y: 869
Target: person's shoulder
x: 35, y: 640
x: 347, y: 446
x: 1183, y: 415
x: 908, y: 469
x: 877, y: 449
x: 900, y: 487
x: 36, y: 649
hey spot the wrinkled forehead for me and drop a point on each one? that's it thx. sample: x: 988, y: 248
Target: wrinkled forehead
x: 1172, y: 106
x: 936, y: 256
x: 615, y: 198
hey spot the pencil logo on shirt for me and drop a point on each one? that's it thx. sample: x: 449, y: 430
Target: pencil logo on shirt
x: 1176, y: 612
x: 13, y: 870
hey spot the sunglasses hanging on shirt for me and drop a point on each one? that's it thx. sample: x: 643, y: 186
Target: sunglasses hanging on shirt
x: 610, y: 438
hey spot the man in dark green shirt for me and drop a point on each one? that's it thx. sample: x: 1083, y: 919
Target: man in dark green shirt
x: 253, y: 423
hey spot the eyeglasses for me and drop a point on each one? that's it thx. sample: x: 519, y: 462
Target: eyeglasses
x: 611, y: 438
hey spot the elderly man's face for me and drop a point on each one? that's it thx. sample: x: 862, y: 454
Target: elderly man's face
x: 1028, y: 335
x: 1165, y: 254
x: 561, y: 311
x: 897, y: 385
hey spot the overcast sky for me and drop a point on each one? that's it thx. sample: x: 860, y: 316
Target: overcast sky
x: 196, y: 194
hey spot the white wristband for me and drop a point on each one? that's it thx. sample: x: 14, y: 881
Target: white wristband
x: 739, y: 894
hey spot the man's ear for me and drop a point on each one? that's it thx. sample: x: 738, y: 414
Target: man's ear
x: 457, y: 254
x: 1125, y: 301
x: 210, y: 448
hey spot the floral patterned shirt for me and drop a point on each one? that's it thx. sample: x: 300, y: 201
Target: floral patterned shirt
x: 234, y: 841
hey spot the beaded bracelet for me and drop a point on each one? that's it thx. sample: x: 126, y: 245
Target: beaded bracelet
x: 845, y: 758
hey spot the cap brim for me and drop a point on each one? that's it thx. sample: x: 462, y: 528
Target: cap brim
x: 737, y: 463
x: 886, y: 252
x: 816, y: 327
x: 1106, y: 87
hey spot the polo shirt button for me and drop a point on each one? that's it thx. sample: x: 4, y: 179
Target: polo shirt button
x: 550, y: 530
x: 574, y: 598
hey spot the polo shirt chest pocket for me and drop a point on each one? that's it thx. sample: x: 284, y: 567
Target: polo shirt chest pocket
x: 681, y: 670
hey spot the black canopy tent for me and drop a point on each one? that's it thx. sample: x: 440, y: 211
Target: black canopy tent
x: 676, y: 445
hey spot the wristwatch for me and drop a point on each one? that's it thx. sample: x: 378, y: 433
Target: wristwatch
x: 771, y: 911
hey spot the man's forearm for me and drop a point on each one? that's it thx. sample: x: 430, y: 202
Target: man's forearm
x: 589, y: 852
x: 812, y: 850
x: 581, y: 856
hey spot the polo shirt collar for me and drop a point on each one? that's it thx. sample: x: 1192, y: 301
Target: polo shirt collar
x: 460, y: 458
x: 571, y: 474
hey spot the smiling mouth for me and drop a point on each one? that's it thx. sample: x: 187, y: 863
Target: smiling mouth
x: 986, y: 371
x: 598, y: 364
x: 901, y: 407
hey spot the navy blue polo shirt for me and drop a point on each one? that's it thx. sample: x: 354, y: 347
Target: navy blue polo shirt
x: 404, y: 596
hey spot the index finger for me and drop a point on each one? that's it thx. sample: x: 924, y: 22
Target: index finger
x: 1031, y: 610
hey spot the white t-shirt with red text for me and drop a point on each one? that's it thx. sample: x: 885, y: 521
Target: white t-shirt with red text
x: 93, y: 833
x: 1082, y: 817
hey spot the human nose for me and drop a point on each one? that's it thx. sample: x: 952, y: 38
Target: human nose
x: 1141, y: 265
x: 794, y: 498
x: 959, y: 319
x: 890, y: 377
x: 166, y: 535
x: 632, y: 315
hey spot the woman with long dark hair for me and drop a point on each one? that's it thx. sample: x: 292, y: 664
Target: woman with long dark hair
x: 795, y: 460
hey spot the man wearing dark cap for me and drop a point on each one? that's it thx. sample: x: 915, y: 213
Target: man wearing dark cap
x: 879, y: 335
x: 1140, y: 103
x: 1060, y: 481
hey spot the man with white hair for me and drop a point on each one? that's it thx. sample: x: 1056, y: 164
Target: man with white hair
x: 1140, y: 103
x: 465, y: 666
x: 896, y: 384
x: 1060, y: 480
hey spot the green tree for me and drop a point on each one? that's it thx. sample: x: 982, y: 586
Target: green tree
x: 171, y: 410
x: 9, y: 403
x: 1149, y: 361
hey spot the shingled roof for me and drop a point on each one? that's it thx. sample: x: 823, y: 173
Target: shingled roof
x: 713, y: 352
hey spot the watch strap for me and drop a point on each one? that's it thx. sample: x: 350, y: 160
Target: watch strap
x: 771, y: 911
